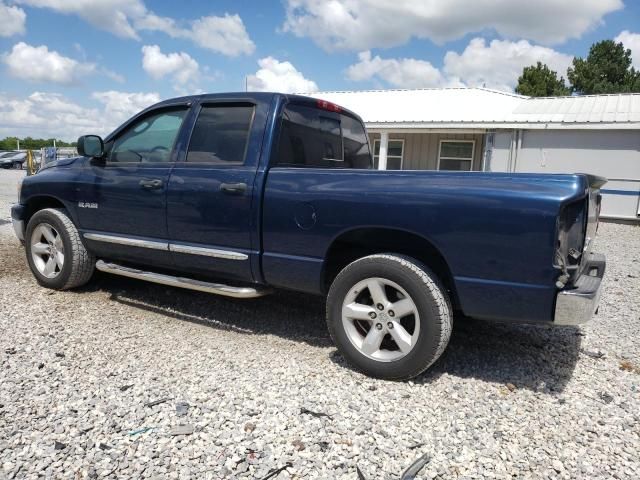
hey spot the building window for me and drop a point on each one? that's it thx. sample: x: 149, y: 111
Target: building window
x: 395, y: 149
x: 456, y: 155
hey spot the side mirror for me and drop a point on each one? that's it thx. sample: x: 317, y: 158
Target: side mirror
x: 90, y: 146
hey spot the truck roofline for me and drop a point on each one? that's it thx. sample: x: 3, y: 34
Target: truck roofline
x: 266, y: 97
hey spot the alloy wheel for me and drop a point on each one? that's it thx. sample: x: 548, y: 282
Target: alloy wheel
x: 381, y: 319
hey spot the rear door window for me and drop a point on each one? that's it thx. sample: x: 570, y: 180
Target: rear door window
x: 221, y: 134
x: 311, y: 137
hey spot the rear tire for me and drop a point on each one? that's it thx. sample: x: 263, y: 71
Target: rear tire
x: 389, y: 316
x: 55, y: 252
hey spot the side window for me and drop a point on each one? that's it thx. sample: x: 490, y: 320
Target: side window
x: 311, y: 137
x: 221, y: 134
x: 149, y: 139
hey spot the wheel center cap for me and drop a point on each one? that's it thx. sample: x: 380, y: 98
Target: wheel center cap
x: 383, y: 317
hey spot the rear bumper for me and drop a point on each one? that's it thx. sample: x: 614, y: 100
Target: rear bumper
x: 17, y: 218
x: 577, y: 304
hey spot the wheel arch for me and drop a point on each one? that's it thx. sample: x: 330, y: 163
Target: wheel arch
x: 363, y: 241
x: 36, y: 203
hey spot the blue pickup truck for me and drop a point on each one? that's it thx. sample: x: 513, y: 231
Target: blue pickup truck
x: 242, y: 193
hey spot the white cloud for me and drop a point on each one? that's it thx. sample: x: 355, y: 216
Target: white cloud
x: 184, y: 70
x: 499, y: 64
x: 226, y: 35
x: 116, y: 77
x: 12, y: 20
x: 111, y: 15
x: 365, y: 24
x: 119, y: 106
x: 403, y: 72
x: 39, y: 64
x: 125, y: 18
x: 49, y: 115
x: 276, y: 76
x: 631, y: 41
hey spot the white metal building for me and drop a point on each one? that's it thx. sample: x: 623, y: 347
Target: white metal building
x: 481, y: 129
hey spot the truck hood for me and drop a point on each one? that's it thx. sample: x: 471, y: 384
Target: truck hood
x: 62, y: 162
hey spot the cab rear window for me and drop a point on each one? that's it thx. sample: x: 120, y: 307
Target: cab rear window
x: 311, y: 137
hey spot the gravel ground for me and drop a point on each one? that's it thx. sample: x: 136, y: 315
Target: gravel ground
x: 80, y: 368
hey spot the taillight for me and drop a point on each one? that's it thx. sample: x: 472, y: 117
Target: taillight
x: 332, y: 107
x: 572, y: 223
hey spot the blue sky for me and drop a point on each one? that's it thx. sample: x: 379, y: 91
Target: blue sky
x: 74, y: 66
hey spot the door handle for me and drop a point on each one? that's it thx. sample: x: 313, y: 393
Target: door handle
x: 151, y: 184
x: 233, y: 188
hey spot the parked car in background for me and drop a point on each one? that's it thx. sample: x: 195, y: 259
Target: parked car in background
x: 239, y: 194
x: 12, y: 159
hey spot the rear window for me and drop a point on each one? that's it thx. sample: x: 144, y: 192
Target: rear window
x: 311, y: 137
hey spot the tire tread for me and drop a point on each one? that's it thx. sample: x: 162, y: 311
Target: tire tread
x: 82, y: 261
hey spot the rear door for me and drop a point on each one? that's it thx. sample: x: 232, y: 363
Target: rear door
x: 210, y: 205
x: 122, y: 201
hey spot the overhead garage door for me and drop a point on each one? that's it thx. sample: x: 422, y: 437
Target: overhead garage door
x: 614, y: 154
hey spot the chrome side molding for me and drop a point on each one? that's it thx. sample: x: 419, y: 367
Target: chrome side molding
x: 133, y: 242
x: 173, y: 247
x: 181, y: 282
x: 207, y: 252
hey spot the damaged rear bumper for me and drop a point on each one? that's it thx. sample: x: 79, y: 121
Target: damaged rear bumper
x: 577, y: 304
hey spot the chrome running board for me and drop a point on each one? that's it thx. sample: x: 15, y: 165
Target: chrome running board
x: 181, y: 282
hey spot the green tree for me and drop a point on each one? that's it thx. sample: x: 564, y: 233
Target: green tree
x: 540, y: 81
x: 28, y: 143
x: 607, y: 69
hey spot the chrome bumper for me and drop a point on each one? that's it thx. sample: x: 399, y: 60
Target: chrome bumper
x: 18, y: 227
x: 17, y: 218
x: 579, y: 303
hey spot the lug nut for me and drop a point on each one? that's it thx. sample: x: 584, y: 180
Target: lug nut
x: 373, y: 315
x: 390, y: 325
x: 379, y: 326
x: 380, y: 306
x: 392, y: 313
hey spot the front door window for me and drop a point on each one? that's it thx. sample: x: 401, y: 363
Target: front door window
x: 149, y: 140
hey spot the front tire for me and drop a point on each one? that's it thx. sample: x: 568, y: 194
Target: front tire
x: 389, y: 316
x: 55, y: 252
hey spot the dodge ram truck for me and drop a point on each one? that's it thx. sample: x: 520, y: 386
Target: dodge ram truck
x: 239, y: 194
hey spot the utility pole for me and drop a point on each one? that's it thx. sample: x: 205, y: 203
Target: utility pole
x: 18, y: 140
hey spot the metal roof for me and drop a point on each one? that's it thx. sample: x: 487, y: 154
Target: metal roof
x: 618, y: 108
x: 485, y: 108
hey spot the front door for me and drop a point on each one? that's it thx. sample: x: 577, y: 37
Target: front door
x: 210, y: 214
x: 122, y: 199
